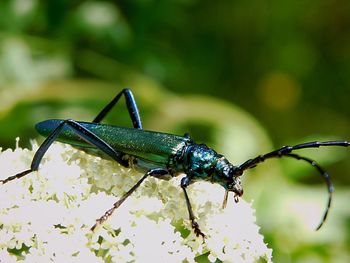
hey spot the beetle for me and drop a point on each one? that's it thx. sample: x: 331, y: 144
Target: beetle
x: 161, y: 155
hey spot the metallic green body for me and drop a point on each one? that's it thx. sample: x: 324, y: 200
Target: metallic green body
x: 152, y: 146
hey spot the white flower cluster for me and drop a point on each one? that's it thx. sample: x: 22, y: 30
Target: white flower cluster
x: 46, y: 216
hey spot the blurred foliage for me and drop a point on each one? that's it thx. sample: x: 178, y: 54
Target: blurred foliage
x: 285, y: 62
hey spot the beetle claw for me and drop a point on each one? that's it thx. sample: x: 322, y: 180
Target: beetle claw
x: 197, y: 231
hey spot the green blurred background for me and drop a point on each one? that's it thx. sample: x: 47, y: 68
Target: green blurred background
x: 200, y: 67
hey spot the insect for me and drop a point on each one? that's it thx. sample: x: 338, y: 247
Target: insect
x: 161, y: 155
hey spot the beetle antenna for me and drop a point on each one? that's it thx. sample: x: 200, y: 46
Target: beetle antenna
x: 286, y: 151
x: 327, y: 178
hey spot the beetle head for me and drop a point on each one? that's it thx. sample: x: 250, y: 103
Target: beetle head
x: 228, y: 177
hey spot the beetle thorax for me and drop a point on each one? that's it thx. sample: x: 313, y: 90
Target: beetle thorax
x: 203, y: 163
x: 200, y: 161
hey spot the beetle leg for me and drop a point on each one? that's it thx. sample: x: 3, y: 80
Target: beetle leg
x: 130, y: 104
x: 108, y: 213
x: 16, y: 176
x: 83, y: 133
x: 185, y: 181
